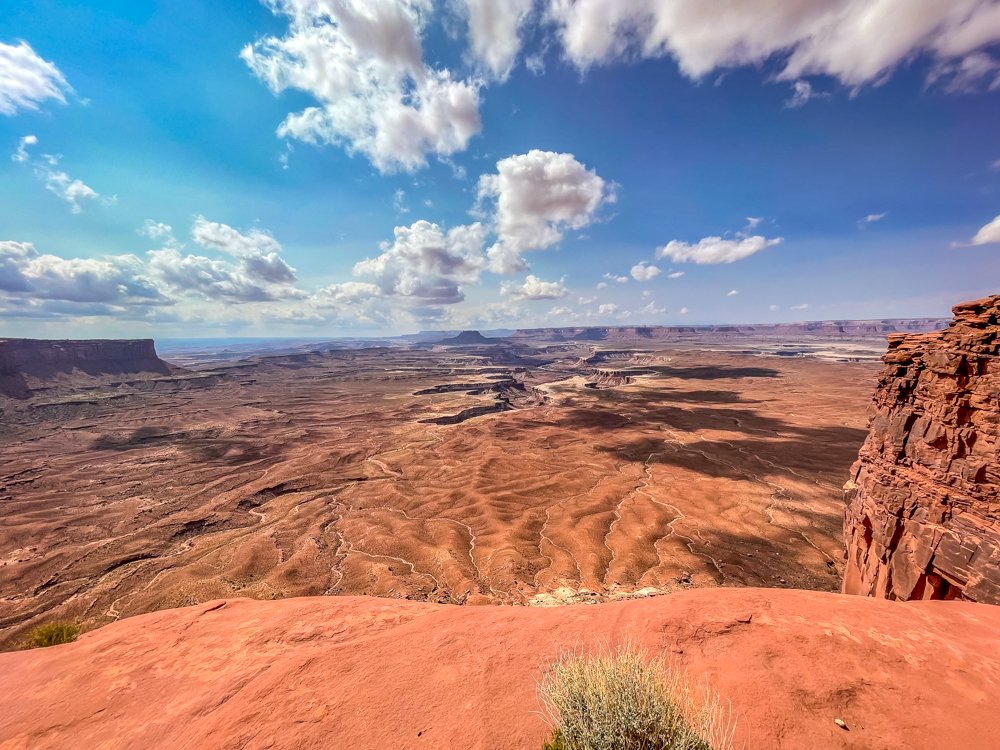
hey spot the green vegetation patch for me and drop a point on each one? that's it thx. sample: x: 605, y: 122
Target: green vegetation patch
x: 621, y: 699
x: 52, y: 634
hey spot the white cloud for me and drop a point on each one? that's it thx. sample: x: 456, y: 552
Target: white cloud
x: 684, y: 311
x: 115, y: 280
x: 712, y: 250
x: 157, y: 230
x: 72, y: 191
x: 647, y: 293
x: 856, y: 41
x: 774, y: 308
x: 642, y: 272
x: 988, y: 234
x: 798, y: 307
x: 607, y: 309
x: 21, y: 155
x: 870, y: 218
x: 617, y: 279
x: 397, y: 202
x: 533, y: 288
x: 602, y: 285
x: 426, y: 265
x: 27, y: 80
x: 362, y: 61
x: 733, y: 293
x: 802, y: 92
x: 260, y: 275
x: 675, y: 275
x: 559, y: 311
x: 752, y: 222
x: 538, y: 195
x: 996, y: 164
x: 494, y: 27
x: 651, y: 309
x: 586, y: 300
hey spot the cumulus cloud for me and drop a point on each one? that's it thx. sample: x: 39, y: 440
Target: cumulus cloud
x: 858, y: 42
x: 774, y: 308
x: 616, y: 279
x: 642, y: 272
x: 753, y: 222
x: 711, y: 250
x: 733, y: 293
x: 397, y: 202
x: 157, y: 230
x: 585, y: 300
x: 494, y: 32
x: 533, y: 288
x: 538, y: 196
x: 26, y: 79
x: 120, y: 280
x: 684, y: 311
x: 362, y: 61
x: 259, y: 275
x: 870, y: 218
x: 675, y: 275
x: 602, y: 285
x: 799, y: 307
x: 426, y: 265
x: 609, y: 309
x: 988, y: 234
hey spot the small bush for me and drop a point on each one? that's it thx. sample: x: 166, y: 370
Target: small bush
x: 623, y: 700
x: 52, y: 634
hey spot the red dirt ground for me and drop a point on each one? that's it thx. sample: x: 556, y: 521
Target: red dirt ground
x: 366, y: 673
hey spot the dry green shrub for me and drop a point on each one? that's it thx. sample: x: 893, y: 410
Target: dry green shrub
x: 52, y: 634
x: 622, y: 699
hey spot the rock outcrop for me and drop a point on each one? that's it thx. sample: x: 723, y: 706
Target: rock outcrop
x: 923, y: 514
x: 25, y: 360
x: 360, y: 672
x: 831, y: 328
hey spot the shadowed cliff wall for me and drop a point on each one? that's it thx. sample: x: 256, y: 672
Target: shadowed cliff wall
x: 42, y: 359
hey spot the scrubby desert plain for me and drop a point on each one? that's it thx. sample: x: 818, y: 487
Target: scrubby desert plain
x: 528, y: 472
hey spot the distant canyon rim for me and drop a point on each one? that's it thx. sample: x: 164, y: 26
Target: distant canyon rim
x: 551, y: 466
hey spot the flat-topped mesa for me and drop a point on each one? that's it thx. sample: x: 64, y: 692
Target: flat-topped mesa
x: 923, y: 514
x: 23, y: 361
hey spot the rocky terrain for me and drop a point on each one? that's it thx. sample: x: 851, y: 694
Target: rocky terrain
x: 461, y: 474
x: 923, y: 520
x: 352, y: 672
x: 29, y: 366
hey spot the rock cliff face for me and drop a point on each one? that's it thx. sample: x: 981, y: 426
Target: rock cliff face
x: 923, y: 515
x: 24, y: 360
x: 833, y: 328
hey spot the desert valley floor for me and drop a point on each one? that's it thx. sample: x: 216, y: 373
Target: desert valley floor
x: 476, y: 475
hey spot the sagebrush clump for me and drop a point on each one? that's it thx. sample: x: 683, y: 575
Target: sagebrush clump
x: 52, y: 634
x: 622, y: 699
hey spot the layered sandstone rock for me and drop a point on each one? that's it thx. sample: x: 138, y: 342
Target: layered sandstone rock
x: 923, y: 515
x: 25, y: 360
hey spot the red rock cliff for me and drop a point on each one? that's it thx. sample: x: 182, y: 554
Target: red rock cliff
x: 44, y: 360
x: 923, y: 515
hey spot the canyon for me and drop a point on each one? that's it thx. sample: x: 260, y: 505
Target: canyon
x: 268, y: 553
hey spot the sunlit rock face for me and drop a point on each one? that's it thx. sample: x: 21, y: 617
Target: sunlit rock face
x: 923, y: 514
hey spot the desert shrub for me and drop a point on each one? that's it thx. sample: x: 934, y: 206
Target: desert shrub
x: 622, y: 699
x: 52, y: 634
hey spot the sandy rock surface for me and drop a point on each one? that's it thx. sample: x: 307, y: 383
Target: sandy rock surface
x: 357, y: 672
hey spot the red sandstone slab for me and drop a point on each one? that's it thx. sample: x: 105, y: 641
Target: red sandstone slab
x: 354, y: 672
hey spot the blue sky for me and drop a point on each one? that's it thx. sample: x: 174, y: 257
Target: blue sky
x: 492, y: 163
